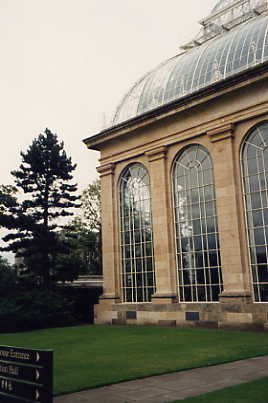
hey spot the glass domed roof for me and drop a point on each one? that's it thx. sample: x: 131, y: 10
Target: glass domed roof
x: 233, y: 39
x: 222, y: 4
x: 229, y: 10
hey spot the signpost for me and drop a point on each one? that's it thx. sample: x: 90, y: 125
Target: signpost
x: 26, y: 375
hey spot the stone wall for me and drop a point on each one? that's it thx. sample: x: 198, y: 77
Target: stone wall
x: 219, y: 121
x: 226, y: 315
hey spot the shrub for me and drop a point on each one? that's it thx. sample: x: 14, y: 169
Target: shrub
x: 83, y: 299
x: 8, y: 277
x: 37, y: 309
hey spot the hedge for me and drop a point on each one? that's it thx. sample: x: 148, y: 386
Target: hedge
x: 24, y: 310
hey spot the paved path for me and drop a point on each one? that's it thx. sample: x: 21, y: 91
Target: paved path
x: 179, y: 385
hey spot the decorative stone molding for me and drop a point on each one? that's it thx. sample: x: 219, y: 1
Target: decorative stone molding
x: 109, y: 299
x: 221, y: 133
x: 167, y: 298
x: 235, y: 294
x: 164, y: 295
x: 105, y: 170
x: 235, y: 301
x: 156, y: 153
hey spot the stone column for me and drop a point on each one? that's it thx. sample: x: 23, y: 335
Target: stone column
x: 162, y: 224
x: 110, y: 285
x: 236, y: 286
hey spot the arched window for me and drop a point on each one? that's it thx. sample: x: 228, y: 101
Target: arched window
x: 138, y: 280
x: 255, y: 178
x: 198, y: 251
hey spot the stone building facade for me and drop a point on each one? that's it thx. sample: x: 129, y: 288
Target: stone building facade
x: 184, y: 176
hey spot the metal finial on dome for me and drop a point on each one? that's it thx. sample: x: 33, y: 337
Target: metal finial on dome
x: 226, y: 15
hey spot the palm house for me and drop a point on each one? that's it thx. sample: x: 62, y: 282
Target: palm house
x: 184, y: 177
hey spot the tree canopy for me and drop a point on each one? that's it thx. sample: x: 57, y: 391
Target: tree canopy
x: 90, y: 218
x: 7, y: 275
x: 86, y: 230
x: 7, y: 197
x: 44, y: 176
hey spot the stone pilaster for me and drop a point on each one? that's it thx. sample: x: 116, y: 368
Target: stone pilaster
x: 236, y: 288
x: 162, y: 225
x: 110, y: 286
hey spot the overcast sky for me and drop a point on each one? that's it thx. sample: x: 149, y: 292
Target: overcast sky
x: 65, y: 64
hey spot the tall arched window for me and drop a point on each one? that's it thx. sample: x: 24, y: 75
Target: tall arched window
x: 198, y: 251
x: 138, y: 280
x: 255, y: 178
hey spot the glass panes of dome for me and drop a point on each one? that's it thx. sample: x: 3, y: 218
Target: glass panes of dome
x: 198, y: 251
x: 228, y: 14
x: 138, y: 279
x: 246, y: 4
x: 229, y: 53
x: 132, y: 101
x: 255, y: 178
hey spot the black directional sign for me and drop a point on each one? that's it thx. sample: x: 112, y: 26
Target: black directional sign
x: 25, y: 375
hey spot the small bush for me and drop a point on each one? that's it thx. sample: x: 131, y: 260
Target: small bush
x: 83, y: 299
x: 38, y: 308
x: 8, y: 277
x: 35, y: 310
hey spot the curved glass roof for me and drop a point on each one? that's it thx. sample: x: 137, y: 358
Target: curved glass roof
x: 228, y: 10
x: 226, y: 54
x: 222, y: 4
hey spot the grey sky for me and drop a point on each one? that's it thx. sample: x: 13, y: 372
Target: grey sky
x: 64, y: 63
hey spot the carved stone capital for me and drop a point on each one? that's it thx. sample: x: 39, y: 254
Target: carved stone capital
x: 105, y: 170
x: 156, y: 153
x: 221, y: 133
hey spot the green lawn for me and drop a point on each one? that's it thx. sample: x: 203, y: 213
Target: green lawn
x: 87, y: 356
x: 251, y: 392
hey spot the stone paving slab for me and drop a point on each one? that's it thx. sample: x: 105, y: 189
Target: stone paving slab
x: 179, y: 385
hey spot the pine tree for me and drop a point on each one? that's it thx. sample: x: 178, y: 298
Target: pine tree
x: 7, y: 198
x: 7, y: 276
x: 44, y: 176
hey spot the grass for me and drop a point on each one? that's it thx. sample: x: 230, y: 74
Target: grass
x: 250, y: 392
x: 89, y: 356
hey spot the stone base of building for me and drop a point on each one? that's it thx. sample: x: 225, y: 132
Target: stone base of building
x: 230, y: 313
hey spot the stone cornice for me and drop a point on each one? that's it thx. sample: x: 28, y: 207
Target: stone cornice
x: 105, y: 170
x: 209, y: 93
x: 220, y: 133
x: 235, y: 118
x: 156, y: 153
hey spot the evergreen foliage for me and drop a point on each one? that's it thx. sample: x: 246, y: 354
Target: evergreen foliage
x: 44, y: 176
x: 7, y: 198
x: 8, y: 277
